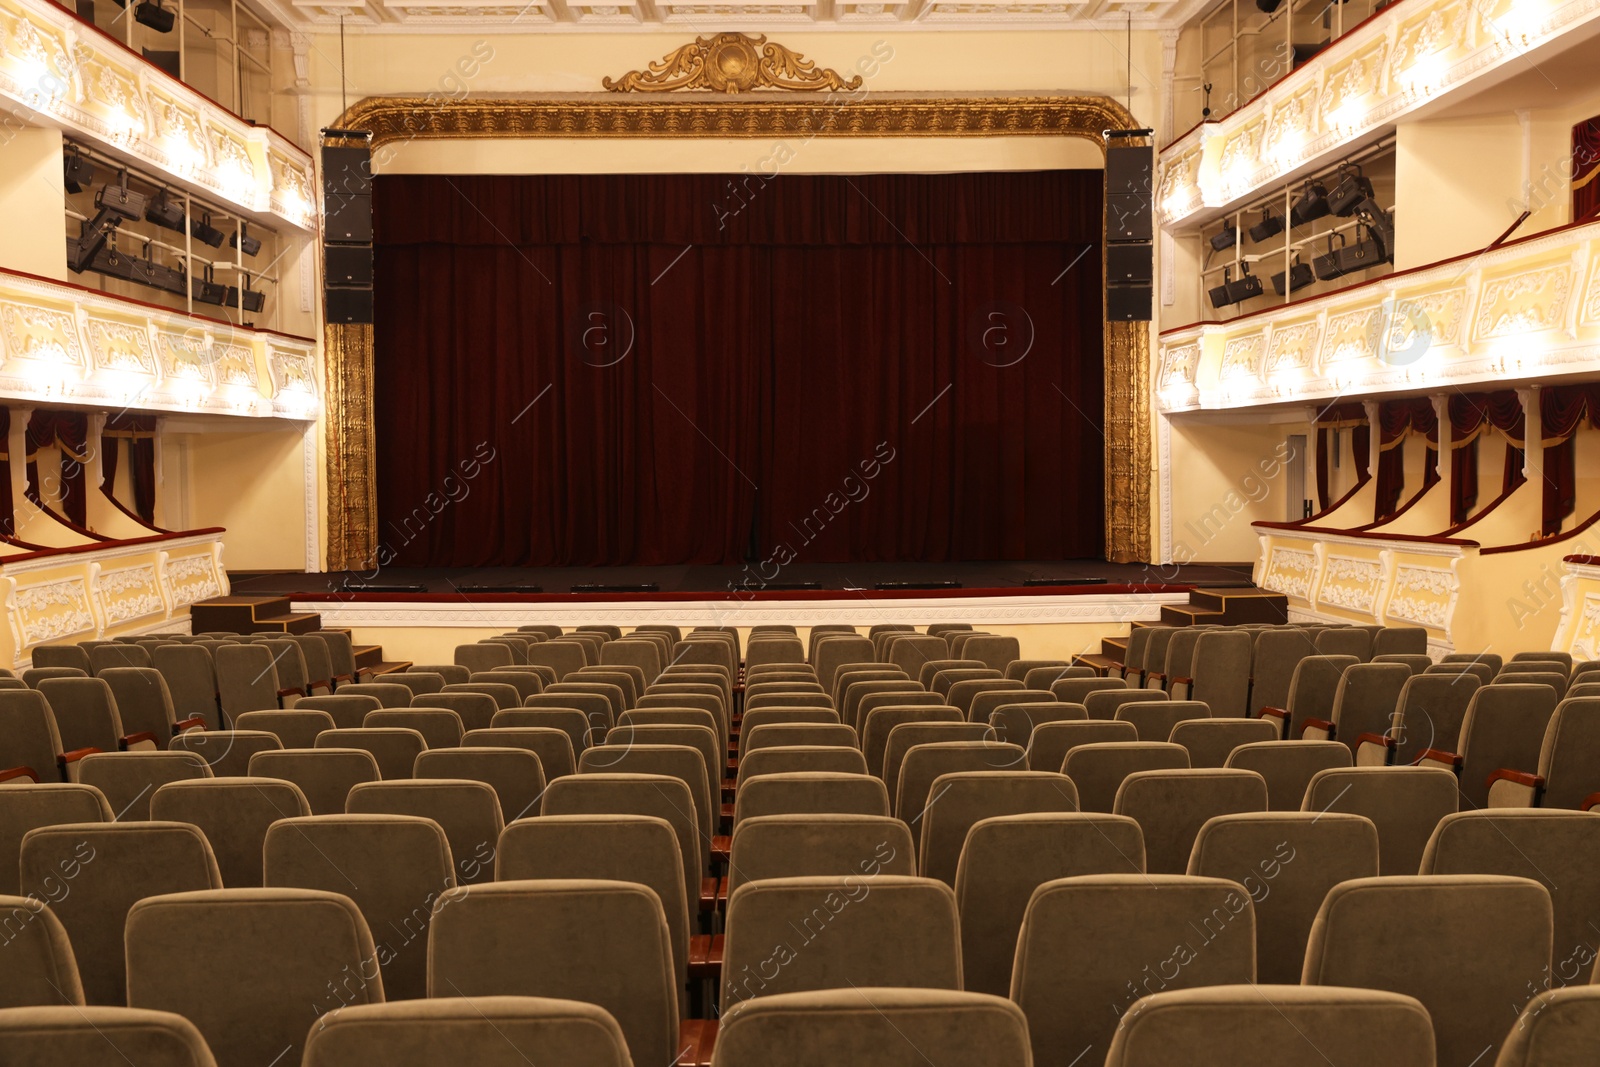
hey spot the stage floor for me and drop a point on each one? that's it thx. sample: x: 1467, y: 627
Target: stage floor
x: 795, y: 579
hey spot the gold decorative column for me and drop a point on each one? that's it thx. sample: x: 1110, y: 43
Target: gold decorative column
x: 1127, y: 388
x: 352, y: 471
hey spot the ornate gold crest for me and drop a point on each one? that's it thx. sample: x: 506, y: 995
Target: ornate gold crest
x: 731, y: 63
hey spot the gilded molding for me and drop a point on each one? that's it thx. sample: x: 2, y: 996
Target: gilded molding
x: 731, y: 63
x: 352, y: 508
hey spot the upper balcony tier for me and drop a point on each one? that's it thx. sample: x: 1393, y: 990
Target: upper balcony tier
x: 1526, y: 311
x: 56, y: 70
x: 1411, y: 59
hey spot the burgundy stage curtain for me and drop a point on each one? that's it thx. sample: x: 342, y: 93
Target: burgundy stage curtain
x: 1471, y: 416
x: 1586, y: 169
x: 139, y: 432
x: 1329, y: 421
x: 69, y: 431
x: 1563, y: 409
x: 595, y: 370
x: 1398, y: 419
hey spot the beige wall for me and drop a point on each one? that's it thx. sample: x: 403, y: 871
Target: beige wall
x: 31, y: 202
x: 1224, y: 477
x: 252, y: 483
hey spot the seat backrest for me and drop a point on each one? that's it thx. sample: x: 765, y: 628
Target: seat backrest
x: 596, y: 708
x: 788, y: 734
x: 1209, y: 741
x: 1404, y: 803
x: 514, y: 774
x: 1154, y: 719
x: 774, y: 650
x: 1222, y: 671
x: 419, y: 682
x: 891, y: 930
x: 1318, y: 681
x: 439, y: 727
x: 777, y: 716
x: 703, y: 739
x: 810, y: 793
x: 128, y: 779
x: 1559, y: 1026
x: 552, y: 746
x: 79, y: 1037
x: 677, y: 761
x: 1052, y: 741
x: 91, y: 874
x: 1015, y: 723
x: 234, y: 814
x: 856, y: 692
x: 392, y: 866
x: 341, y: 653
x: 475, y: 710
x: 654, y: 795
x: 389, y: 694
x: 1463, y: 945
x: 910, y: 734
x: 524, y: 681
x: 227, y: 751
x: 1122, y: 922
x: 143, y: 701
x: 1569, y: 759
x: 1045, y: 677
x: 1006, y: 857
x: 1401, y: 640
x: 484, y: 938
x: 1105, y: 703
x: 36, y: 958
x: 1287, y: 861
x: 1285, y: 1026
x: 924, y: 764
x: 450, y: 672
x: 1430, y: 712
x: 831, y: 758
x: 34, y: 675
x: 984, y: 703
x: 1098, y: 770
x: 1171, y: 806
x: 318, y: 658
x: 571, y: 721
x: 86, y: 713
x: 963, y: 693
x: 263, y: 958
x: 26, y: 806
x: 1345, y: 641
x: 191, y: 681
x: 877, y: 723
x: 62, y: 655
x: 1534, y: 672
x: 247, y: 678
x: 348, y: 709
x: 968, y: 797
x: 1287, y: 766
x: 1076, y: 690
x: 324, y: 776
x: 1559, y: 849
x: 1133, y: 655
x: 1504, y: 728
x: 486, y: 656
x: 395, y: 748
x: 911, y: 652
x: 296, y: 727
x: 815, y: 634
x: 468, y: 811
x: 834, y: 652
x: 796, y: 846
x: 945, y: 680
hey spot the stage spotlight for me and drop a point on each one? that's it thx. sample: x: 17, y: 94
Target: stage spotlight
x: 1244, y: 287
x: 204, y: 231
x: 1219, y: 293
x: 1313, y: 203
x: 122, y: 202
x: 1328, y: 265
x: 77, y: 173
x: 152, y: 14
x: 1270, y: 226
x: 1226, y: 239
x: 1298, y: 276
x: 1380, y: 224
x: 92, y: 236
x: 251, y: 300
x: 1353, y: 188
x: 250, y: 246
x: 207, y: 291
x: 164, y: 212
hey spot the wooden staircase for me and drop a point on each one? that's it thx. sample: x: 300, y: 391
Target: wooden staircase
x: 1217, y: 607
x: 274, y: 614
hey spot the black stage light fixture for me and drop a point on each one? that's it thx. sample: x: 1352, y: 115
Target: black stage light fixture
x: 1245, y: 286
x: 204, y: 231
x: 147, y: 271
x: 251, y: 300
x: 77, y: 173
x: 1353, y: 188
x: 1312, y: 204
x: 1298, y: 276
x: 1380, y: 224
x: 1226, y: 239
x: 164, y: 212
x: 1327, y: 266
x: 152, y: 14
x: 122, y: 202
x: 1365, y: 252
x: 92, y: 236
x: 250, y: 246
x: 1219, y: 293
x: 208, y: 291
x: 1270, y: 226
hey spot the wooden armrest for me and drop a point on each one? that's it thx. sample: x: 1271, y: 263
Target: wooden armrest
x: 721, y: 846
x: 193, y: 722
x: 1273, y: 713
x: 1375, y: 739
x: 1439, y: 755
x: 1155, y: 676
x: 1318, y: 724
x: 368, y: 671
x: 321, y: 683
x: 74, y: 756
x: 1183, y: 681
x: 1522, y: 778
x: 127, y: 741
x: 340, y: 679
x: 708, y: 894
x: 732, y: 766
x: 705, y: 955
x: 18, y: 772
x: 1589, y: 802
x: 291, y: 691
x: 696, y: 1039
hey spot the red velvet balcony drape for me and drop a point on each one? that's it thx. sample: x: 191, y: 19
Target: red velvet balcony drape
x: 1563, y: 409
x: 69, y: 431
x: 1397, y: 420
x: 590, y: 370
x: 1329, y: 421
x: 1586, y: 169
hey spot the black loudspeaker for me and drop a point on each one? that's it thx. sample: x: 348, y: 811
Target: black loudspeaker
x: 347, y: 171
x: 349, y: 306
x: 348, y: 220
x: 1129, y: 170
x: 1128, y: 217
x: 348, y: 265
x: 1130, y: 262
x: 1129, y: 303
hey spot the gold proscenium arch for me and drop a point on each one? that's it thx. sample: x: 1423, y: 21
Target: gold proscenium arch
x: 352, y: 500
